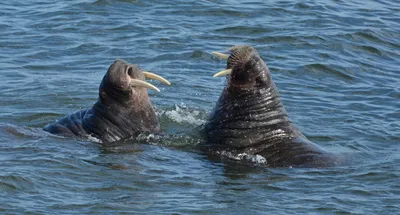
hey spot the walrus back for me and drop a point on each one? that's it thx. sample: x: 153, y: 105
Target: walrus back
x: 70, y: 125
x: 298, y: 152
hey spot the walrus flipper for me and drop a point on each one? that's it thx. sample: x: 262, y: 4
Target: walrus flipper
x: 70, y: 125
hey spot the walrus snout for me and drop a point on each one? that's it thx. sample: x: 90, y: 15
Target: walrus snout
x: 136, y: 78
x: 122, y: 72
x: 141, y: 83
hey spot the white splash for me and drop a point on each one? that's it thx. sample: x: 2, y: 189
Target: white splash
x: 257, y: 159
x: 184, y: 115
x: 94, y: 139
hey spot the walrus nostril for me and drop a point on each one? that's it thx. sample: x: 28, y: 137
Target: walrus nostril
x: 129, y: 71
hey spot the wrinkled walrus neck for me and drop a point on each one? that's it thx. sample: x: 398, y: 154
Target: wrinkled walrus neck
x: 249, y: 117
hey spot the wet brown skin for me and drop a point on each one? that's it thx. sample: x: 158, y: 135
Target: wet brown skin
x: 122, y: 111
x: 250, y: 118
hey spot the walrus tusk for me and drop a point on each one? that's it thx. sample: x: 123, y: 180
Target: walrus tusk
x: 156, y: 77
x: 220, y: 55
x: 223, y: 72
x: 140, y: 83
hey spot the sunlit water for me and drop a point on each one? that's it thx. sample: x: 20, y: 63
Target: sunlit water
x: 336, y: 64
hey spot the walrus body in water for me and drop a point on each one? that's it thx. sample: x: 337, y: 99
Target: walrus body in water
x: 122, y: 110
x: 250, y: 119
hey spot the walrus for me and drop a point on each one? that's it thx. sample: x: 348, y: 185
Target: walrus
x: 249, y: 118
x: 123, y: 108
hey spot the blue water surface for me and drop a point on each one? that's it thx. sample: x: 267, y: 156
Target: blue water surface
x: 336, y: 64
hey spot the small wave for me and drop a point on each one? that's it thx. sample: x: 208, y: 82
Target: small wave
x: 22, y: 131
x: 170, y: 140
x: 330, y: 69
x: 16, y: 182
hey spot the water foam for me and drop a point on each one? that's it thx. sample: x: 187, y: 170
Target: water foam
x: 182, y: 114
x: 256, y: 159
x: 94, y: 139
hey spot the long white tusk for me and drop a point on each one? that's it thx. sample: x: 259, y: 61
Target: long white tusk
x: 140, y: 83
x: 156, y: 77
x: 223, y: 72
x: 220, y: 55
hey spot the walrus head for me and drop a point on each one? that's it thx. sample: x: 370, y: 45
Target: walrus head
x: 125, y: 83
x: 245, y: 68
